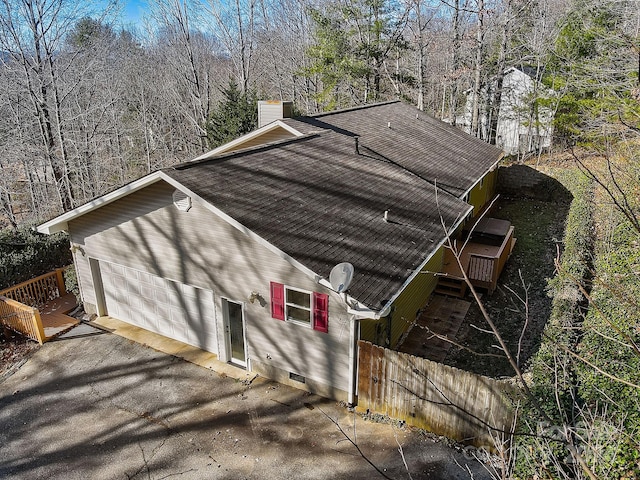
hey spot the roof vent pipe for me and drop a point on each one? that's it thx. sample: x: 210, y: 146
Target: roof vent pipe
x: 357, y: 139
x: 386, y: 216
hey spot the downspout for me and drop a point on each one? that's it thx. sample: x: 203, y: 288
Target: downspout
x: 356, y: 311
x: 354, y: 334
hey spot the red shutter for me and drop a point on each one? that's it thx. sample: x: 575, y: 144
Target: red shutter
x: 321, y: 312
x: 277, y: 300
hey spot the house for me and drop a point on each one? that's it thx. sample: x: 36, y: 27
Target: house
x: 232, y: 252
x: 523, y: 125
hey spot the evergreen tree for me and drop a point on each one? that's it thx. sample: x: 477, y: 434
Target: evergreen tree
x: 88, y: 31
x: 236, y: 115
x: 594, y: 66
x: 355, y: 42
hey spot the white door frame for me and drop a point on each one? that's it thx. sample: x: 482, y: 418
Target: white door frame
x: 227, y: 331
x: 98, y: 286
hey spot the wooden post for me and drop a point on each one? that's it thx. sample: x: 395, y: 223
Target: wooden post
x: 62, y: 289
x: 39, y: 328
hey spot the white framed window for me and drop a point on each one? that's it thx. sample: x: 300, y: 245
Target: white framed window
x: 302, y: 307
x: 298, y: 306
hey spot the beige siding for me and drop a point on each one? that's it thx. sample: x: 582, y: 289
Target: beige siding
x: 272, y: 110
x: 271, y: 136
x: 145, y: 231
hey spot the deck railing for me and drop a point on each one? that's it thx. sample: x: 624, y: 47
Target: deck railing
x: 21, y: 318
x: 38, y: 291
x: 481, y: 267
x: 19, y: 304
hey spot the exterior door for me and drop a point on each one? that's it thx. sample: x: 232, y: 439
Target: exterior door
x: 234, y: 327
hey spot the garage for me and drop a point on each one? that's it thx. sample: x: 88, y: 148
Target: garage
x: 163, y: 306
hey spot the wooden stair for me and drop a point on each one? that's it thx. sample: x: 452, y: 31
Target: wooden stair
x: 451, y: 286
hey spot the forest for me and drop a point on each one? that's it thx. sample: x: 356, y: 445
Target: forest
x: 90, y: 103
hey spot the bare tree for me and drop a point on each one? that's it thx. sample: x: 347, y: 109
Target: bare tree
x: 31, y: 33
x: 281, y: 53
x: 420, y: 19
x: 237, y: 24
x: 456, y: 67
x: 185, y: 50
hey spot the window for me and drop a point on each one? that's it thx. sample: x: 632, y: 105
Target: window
x: 300, y: 306
x: 297, y: 306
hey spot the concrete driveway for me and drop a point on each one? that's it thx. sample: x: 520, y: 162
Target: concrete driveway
x: 104, y: 407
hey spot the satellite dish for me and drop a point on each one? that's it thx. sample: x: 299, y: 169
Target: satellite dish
x: 341, y: 276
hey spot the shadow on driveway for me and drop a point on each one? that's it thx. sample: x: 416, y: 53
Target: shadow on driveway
x: 105, y: 407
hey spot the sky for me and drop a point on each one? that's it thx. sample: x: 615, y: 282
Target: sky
x: 133, y: 12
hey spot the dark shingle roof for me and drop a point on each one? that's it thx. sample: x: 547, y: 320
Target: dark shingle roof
x: 320, y: 202
x: 432, y: 149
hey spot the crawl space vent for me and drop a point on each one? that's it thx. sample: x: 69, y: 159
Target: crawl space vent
x: 181, y: 200
x: 297, y: 378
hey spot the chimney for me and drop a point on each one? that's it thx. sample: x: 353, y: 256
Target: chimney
x: 272, y: 110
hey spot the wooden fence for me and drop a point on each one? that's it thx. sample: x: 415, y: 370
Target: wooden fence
x: 447, y: 401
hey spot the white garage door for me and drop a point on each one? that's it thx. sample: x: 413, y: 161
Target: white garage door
x: 169, y: 308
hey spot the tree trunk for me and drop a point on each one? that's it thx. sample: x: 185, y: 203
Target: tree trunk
x: 455, y: 67
x: 496, y: 97
x: 477, y: 70
x: 32, y: 45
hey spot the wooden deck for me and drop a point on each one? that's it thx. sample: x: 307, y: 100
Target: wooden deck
x: 450, y: 266
x: 482, y: 262
x: 54, y: 318
x: 38, y: 307
x: 442, y: 317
